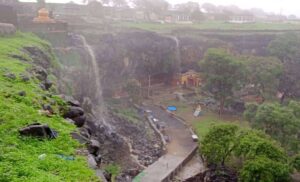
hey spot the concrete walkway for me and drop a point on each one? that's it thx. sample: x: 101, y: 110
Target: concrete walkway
x: 178, y: 150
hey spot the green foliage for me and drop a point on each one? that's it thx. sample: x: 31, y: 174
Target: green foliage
x: 260, y: 158
x: 280, y: 122
x: 252, y: 144
x: 262, y: 169
x: 218, y: 143
x: 133, y: 88
x: 264, y: 73
x: 296, y: 162
x: 19, y: 155
x: 286, y: 48
x: 250, y: 112
x: 223, y: 74
x: 113, y: 170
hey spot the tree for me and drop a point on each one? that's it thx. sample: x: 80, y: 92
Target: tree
x: 286, y: 48
x: 296, y: 162
x: 260, y: 158
x: 262, y: 169
x: 157, y: 7
x: 95, y: 8
x: 218, y: 144
x: 223, y: 75
x: 264, y: 74
x: 280, y: 122
x: 192, y: 9
x: 133, y: 88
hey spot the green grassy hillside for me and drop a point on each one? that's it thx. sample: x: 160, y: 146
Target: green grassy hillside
x: 19, y: 156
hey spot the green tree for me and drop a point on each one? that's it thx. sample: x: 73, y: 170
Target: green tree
x: 157, y: 7
x: 286, y: 48
x: 296, y: 162
x: 264, y: 74
x: 218, y: 144
x: 257, y: 156
x: 280, y: 122
x: 263, y: 169
x: 223, y: 75
x: 114, y: 170
x: 133, y: 88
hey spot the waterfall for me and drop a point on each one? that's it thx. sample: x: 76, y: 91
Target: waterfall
x: 98, y: 106
x: 177, y: 51
x: 96, y: 71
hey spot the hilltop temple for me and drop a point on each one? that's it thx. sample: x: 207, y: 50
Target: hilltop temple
x: 43, y: 17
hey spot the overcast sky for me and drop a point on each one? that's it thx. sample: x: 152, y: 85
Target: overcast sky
x: 286, y: 7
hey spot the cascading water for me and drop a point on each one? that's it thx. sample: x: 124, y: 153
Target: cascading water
x: 98, y: 107
x: 95, y: 67
x: 177, y: 51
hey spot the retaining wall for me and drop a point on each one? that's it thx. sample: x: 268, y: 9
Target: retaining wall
x: 7, y: 29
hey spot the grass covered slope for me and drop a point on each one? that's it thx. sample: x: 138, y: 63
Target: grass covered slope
x: 19, y: 156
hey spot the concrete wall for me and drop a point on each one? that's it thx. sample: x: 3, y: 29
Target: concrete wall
x: 7, y: 29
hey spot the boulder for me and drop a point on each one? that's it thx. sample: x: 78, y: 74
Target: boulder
x: 48, y: 84
x: 74, y: 112
x: 41, y: 73
x: 48, y: 107
x: 81, y: 139
x: 71, y: 101
x: 93, y: 147
x: 38, y: 130
x: 92, y: 162
x: 24, y: 78
x: 79, y: 121
x: 10, y: 76
x: 22, y: 93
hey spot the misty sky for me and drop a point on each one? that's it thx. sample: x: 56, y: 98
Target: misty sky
x: 286, y: 7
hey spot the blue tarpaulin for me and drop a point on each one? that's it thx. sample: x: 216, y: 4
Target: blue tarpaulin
x: 172, y: 108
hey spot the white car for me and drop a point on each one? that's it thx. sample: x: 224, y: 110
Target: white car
x: 155, y: 120
x: 195, y: 138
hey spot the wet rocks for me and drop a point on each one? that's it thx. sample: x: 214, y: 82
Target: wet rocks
x: 38, y: 130
x: 22, y: 93
x: 74, y: 112
x: 24, y: 78
x: 10, y: 76
x: 93, y: 147
x: 71, y: 101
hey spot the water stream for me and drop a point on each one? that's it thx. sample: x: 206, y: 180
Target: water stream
x: 177, y: 51
x: 96, y: 71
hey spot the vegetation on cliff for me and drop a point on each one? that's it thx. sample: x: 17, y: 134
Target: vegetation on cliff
x: 21, y: 101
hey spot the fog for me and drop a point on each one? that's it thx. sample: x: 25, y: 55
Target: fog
x: 279, y: 7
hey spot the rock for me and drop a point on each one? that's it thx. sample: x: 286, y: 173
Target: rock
x: 41, y: 73
x: 38, y: 130
x: 24, y: 78
x: 92, y: 162
x: 48, y: 84
x: 98, y: 159
x: 71, y: 101
x: 93, y: 147
x: 79, y: 121
x: 42, y: 86
x: 48, y: 107
x: 22, y: 93
x: 10, y: 76
x: 133, y: 172
x: 74, y: 112
x: 86, y: 132
x: 87, y: 105
x: 81, y: 139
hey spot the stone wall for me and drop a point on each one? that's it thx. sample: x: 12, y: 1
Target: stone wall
x: 7, y: 29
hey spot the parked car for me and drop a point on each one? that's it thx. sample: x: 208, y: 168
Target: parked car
x: 195, y: 138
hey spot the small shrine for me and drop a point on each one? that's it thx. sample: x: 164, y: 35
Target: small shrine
x: 190, y: 79
x: 43, y: 17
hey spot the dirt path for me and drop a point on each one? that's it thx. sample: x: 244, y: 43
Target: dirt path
x: 179, y: 147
